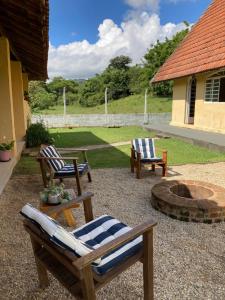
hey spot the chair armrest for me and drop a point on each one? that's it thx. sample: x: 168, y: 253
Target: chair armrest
x: 83, y: 150
x: 72, y: 149
x: 87, y: 259
x: 57, y: 158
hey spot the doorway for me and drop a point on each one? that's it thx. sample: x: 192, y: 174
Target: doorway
x: 190, y: 103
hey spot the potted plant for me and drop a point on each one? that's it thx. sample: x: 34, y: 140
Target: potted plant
x: 55, y: 194
x: 5, y: 151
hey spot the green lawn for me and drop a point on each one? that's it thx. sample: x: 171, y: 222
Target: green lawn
x: 131, y: 104
x: 179, y: 152
x: 77, y: 137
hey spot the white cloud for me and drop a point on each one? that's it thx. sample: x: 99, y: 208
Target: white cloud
x: 143, y: 4
x: 133, y: 37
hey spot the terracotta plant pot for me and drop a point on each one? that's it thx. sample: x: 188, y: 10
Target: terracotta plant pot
x: 5, y: 155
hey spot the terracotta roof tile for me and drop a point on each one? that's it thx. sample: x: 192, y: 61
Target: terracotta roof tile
x: 202, y: 50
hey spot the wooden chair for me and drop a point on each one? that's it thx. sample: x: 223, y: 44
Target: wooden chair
x: 78, y: 274
x: 54, y: 166
x: 143, y: 153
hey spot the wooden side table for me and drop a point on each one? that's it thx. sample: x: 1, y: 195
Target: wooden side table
x: 67, y: 212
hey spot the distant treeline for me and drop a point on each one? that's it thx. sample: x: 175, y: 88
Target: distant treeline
x: 121, y: 78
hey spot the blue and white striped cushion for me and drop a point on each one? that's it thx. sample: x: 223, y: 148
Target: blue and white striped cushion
x: 146, y: 147
x: 103, y: 230
x: 50, y: 151
x: 57, y: 233
x: 68, y: 169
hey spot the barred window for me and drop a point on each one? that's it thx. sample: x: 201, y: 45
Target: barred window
x: 215, y: 88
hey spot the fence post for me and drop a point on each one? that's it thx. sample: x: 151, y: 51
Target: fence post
x: 146, y: 107
x: 64, y: 104
x: 106, y: 106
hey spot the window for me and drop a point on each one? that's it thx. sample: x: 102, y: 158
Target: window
x: 215, y: 88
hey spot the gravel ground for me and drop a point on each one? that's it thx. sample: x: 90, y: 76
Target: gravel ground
x: 189, y: 257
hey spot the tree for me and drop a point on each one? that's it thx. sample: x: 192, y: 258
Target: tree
x: 39, y: 96
x: 117, y: 81
x: 116, y: 77
x: 120, y: 62
x: 58, y: 83
x: 156, y: 57
x: 138, y: 79
x: 92, y: 92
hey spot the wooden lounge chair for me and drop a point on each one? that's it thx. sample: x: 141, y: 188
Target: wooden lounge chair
x: 54, y: 166
x: 143, y: 153
x: 87, y: 258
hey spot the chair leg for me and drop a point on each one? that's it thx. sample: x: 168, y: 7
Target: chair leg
x: 41, y: 270
x: 164, y: 170
x: 79, y: 191
x: 77, y: 176
x: 153, y: 167
x: 43, y: 173
x: 131, y: 165
x: 148, y: 265
x: 89, y: 176
x: 88, y: 288
x: 138, y: 170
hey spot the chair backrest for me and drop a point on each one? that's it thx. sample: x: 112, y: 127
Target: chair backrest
x: 50, y: 151
x: 56, y: 233
x: 145, y: 146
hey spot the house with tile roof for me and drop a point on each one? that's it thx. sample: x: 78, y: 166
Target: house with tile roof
x: 197, y: 68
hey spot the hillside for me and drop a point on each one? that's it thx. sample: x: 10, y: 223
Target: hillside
x: 131, y: 104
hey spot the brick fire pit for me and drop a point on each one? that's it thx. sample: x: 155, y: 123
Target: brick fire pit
x: 190, y: 200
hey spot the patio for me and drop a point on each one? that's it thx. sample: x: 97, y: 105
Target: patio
x: 189, y: 257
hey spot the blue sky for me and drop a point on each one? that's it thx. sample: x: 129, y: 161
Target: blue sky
x: 89, y: 26
x: 79, y: 19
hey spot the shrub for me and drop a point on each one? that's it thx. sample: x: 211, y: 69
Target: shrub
x: 37, y: 134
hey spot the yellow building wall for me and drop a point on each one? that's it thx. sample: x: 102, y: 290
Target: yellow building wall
x: 208, y: 116
x: 14, y: 111
x: 178, y: 105
x: 18, y: 99
x: 27, y: 110
x: 7, y: 126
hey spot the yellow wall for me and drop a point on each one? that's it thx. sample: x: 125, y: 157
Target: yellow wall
x: 26, y: 107
x: 208, y: 116
x: 178, y: 105
x: 14, y: 111
x: 7, y: 128
x: 18, y: 99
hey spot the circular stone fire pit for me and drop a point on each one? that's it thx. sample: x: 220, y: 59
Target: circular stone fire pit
x: 190, y: 200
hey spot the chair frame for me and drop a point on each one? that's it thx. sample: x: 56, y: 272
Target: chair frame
x: 75, y: 273
x: 136, y: 163
x: 46, y: 168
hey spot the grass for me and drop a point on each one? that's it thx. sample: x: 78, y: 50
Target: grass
x: 131, y: 104
x: 179, y: 152
x: 83, y: 136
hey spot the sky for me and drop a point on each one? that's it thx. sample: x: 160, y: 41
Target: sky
x: 85, y: 34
